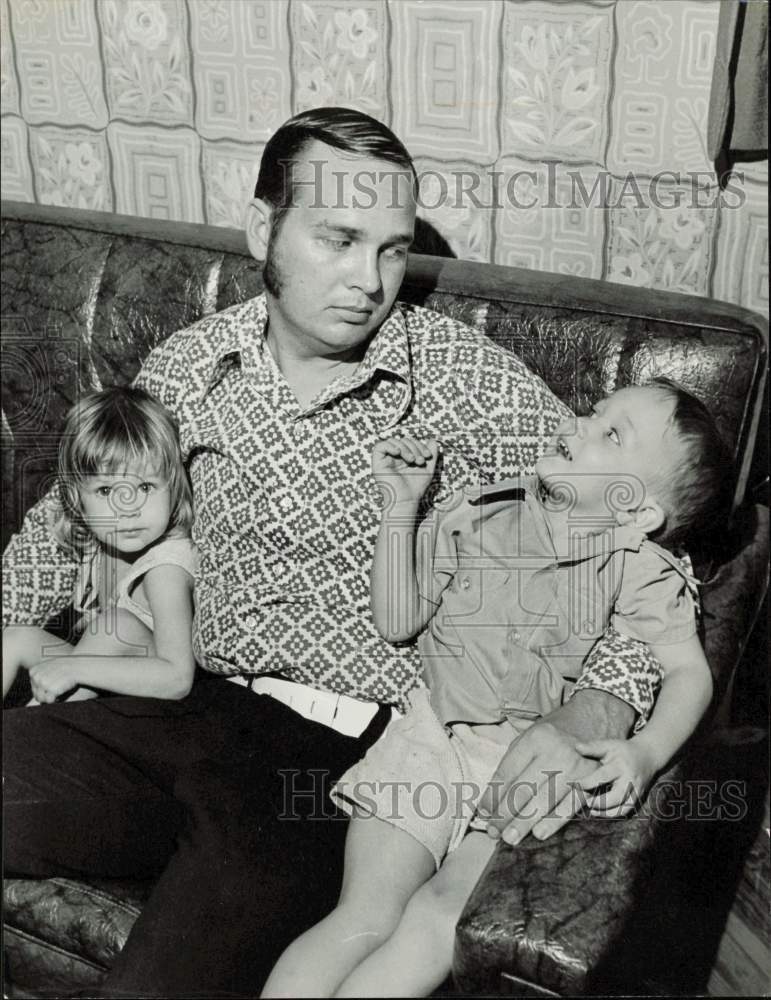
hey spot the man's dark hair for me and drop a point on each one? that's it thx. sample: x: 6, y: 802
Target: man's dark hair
x: 342, y: 128
x: 700, y: 483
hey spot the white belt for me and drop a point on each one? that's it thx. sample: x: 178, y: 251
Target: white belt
x: 340, y: 712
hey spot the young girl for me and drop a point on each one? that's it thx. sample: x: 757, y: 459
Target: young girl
x: 125, y: 512
x: 508, y: 592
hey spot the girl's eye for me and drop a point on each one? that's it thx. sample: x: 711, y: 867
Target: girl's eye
x: 145, y: 487
x: 613, y: 435
x: 104, y: 491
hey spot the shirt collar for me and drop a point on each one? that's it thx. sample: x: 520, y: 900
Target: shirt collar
x: 240, y: 332
x: 244, y: 335
x: 388, y: 351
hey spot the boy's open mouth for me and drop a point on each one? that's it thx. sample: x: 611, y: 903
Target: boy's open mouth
x: 562, y: 449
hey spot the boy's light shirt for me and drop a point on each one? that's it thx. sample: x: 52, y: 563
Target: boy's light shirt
x: 517, y: 617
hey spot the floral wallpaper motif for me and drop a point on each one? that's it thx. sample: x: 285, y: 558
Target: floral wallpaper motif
x: 560, y: 135
x: 146, y: 60
x: 554, y: 102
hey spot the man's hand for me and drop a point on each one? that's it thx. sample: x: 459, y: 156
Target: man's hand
x: 537, y: 786
x: 627, y: 767
x: 404, y: 467
x: 52, y: 678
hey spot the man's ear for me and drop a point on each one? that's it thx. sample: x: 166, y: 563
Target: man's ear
x: 258, y: 222
x: 648, y: 517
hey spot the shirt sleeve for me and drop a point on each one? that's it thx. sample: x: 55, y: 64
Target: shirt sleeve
x: 508, y: 411
x: 625, y: 668
x: 38, y: 577
x: 654, y: 604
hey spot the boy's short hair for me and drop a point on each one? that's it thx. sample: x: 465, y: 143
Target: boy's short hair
x: 699, y: 484
x: 342, y: 128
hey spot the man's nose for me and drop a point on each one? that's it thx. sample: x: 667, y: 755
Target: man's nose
x: 366, y: 274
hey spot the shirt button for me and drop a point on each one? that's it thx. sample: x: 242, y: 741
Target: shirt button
x: 465, y: 583
x: 514, y: 635
x: 250, y: 621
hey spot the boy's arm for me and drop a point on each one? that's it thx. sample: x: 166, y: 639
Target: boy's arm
x: 627, y: 767
x: 686, y: 691
x: 403, y: 469
x: 403, y: 594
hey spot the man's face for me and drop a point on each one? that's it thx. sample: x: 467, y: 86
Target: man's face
x: 339, y: 256
x: 613, y: 457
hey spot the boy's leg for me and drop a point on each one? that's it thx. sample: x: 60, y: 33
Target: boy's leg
x: 417, y: 958
x: 383, y: 868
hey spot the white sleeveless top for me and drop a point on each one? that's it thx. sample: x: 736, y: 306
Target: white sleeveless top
x: 170, y: 552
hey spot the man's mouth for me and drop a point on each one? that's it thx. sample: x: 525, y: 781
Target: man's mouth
x: 359, y: 312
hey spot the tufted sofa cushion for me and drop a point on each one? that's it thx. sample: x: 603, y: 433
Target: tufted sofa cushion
x: 86, y: 296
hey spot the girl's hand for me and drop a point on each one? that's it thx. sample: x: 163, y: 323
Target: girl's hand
x: 404, y: 467
x: 627, y: 766
x: 51, y: 679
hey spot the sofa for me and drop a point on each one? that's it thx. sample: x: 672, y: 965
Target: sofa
x: 613, y: 906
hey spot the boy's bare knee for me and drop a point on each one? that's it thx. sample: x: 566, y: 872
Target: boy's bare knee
x: 435, y: 909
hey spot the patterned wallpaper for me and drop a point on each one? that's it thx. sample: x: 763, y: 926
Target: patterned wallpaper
x: 537, y: 125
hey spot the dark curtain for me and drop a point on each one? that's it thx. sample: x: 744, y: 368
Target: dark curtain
x: 738, y: 105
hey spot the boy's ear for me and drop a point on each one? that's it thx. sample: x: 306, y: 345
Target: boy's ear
x: 649, y: 517
x: 258, y: 223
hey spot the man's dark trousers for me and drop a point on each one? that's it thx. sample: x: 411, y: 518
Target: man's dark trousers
x: 224, y: 795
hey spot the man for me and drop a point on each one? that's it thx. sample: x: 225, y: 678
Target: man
x: 222, y: 794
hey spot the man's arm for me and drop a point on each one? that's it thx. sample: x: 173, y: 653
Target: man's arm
x: 533, y: 788
x: 38, y: 577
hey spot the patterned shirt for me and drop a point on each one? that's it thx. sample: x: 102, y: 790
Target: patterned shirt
x: 286, y: 511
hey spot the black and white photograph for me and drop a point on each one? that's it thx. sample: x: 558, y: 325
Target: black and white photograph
x: 385, y: 498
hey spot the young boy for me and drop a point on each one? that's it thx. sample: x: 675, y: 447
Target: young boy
x: 509, y: 591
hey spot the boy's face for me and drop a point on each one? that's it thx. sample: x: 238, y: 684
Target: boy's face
x: 610, y: 460
x: 340, y: 252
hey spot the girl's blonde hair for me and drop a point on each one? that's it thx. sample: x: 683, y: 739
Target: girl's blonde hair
x: 105, y: 432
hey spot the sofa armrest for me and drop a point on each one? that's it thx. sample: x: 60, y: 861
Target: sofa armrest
x: 621, y: 906
x: 579, y: 913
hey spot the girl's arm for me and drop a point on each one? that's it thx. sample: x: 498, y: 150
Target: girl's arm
x: 629, y: 766
x: 128, y: 658
x: 403, y: 468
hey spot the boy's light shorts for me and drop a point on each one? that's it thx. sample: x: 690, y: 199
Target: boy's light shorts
x: 425, y: 778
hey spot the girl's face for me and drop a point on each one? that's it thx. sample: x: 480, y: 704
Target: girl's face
x: 126, y: 511
x: 608, y: 461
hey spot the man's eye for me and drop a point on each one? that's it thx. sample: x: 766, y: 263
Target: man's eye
x: 336, y: 244
x: 613, y: 435
x: 395, y: 253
